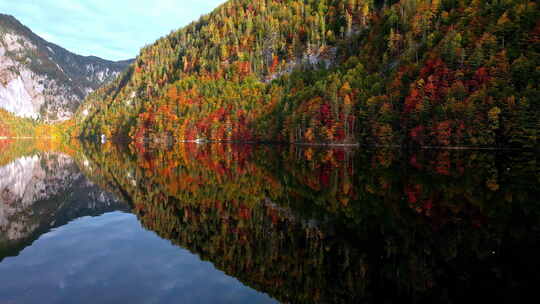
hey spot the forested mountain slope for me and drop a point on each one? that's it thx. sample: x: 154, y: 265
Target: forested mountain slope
x: 426, y: 72
x: 41, y: 80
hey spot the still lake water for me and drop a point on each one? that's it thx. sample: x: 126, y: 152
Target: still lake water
x: 220, y: 223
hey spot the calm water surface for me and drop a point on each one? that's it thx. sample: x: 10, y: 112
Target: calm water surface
x: 112, y: 259
x: 263, y: 224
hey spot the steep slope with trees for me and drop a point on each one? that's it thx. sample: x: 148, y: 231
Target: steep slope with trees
x: 409, y: 72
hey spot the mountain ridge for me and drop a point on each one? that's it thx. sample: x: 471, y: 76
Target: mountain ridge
x: 40, y: 79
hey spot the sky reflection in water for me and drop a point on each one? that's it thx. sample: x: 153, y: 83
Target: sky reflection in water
x: 112, y: 259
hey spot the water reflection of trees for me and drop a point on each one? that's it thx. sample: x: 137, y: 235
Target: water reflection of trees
x: 337, y: 225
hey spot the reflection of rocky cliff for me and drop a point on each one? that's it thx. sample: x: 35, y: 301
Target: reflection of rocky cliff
x: 43, y: 191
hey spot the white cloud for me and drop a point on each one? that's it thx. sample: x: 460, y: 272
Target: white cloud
x: 109, y: 29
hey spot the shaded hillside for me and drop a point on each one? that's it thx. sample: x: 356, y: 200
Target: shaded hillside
x: 39, y: 79
x: 423, y: 72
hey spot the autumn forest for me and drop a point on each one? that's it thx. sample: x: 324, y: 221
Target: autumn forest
x: 408, y: 73
x: 292, y: 151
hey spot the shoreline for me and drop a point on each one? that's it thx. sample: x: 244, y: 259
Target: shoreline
x: 342, y: 145
x: 24, y: 137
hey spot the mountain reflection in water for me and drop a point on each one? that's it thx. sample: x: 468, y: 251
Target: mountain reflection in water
x: 301, y: 224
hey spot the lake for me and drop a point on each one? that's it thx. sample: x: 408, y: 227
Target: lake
x: 231, y: 223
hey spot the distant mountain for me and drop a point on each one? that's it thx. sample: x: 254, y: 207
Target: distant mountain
x: 39, y: 79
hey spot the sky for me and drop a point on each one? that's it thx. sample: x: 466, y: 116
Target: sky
x: 110, y: 29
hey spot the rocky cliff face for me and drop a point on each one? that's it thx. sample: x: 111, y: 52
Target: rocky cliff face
x: 41, y: 80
